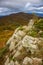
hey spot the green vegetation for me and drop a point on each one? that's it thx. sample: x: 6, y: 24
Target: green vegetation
x: 37, y: 30
x: 20, y: 27
x: 33, y: 33
x: 41, y: 34
x: 3, y: 50
x: 39, y: 24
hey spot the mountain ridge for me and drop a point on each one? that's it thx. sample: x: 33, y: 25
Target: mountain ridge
x: 18, y: 17
x: 9, y: 23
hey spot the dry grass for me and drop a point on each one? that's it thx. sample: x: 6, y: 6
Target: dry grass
x: 7, y: 30
x: 4, y: 36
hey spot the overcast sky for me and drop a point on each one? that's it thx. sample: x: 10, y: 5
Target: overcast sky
x: 15, y: 6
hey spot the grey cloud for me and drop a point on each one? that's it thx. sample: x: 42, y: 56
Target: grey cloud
x: 21, y: 3
x: 15, y: 6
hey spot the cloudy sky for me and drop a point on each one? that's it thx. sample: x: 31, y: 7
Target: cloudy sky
x: 14, y: 6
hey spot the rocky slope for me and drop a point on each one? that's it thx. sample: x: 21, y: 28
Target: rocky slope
x: 24, y: 46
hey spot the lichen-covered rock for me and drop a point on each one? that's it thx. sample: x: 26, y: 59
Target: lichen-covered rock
x: 24, y: 49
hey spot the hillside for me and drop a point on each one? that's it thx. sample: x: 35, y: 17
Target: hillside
x: 9, y: 23
x: 25, y: 44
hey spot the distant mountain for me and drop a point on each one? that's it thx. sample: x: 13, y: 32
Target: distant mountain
x: 19, y: 17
